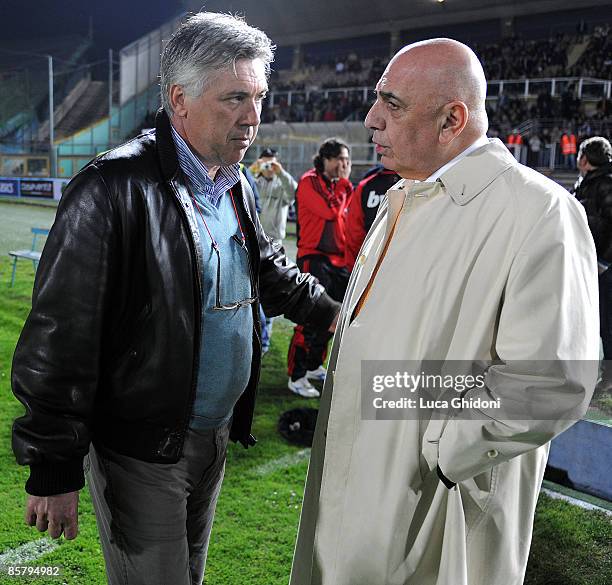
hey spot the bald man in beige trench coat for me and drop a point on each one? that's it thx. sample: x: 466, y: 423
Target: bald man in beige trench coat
x: 480, y: 259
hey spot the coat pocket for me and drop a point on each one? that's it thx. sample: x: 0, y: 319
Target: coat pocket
x: 476, y: 494
x: 430, y: 435
x: 133, y: 334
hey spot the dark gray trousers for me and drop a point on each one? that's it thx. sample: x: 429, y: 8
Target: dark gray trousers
x: 155, y: 519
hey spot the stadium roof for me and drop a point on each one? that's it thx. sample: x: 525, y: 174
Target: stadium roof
x: 22, y: 53
x: 305, y: 21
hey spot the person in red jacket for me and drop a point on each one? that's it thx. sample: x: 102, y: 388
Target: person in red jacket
x: 321, y: 200
x: 365, y: 202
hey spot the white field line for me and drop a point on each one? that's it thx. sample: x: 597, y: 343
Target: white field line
x: 28, y: 552
x: 282, y: 462
x: 294, y: 458
x: 575, y: 502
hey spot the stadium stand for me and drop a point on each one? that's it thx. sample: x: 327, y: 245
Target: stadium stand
x: 24, y: 78
x: 509, y: 59
x: 86, y: 103
x: 548, y: 73
x: 596, y: 61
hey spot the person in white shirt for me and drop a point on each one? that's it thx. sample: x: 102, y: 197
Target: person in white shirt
x: 276, y: 193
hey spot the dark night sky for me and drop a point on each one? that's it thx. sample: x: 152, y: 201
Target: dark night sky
x: 116, y: 23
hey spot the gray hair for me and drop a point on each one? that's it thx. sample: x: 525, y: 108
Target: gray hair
x: 205, y: 43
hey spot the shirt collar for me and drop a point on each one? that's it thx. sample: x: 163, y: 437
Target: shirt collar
x: 197, y: 172
x: 477, y: 171
x: 481, y: 164
x: 482, y: 141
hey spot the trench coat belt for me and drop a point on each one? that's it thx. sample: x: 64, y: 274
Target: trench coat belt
x: 366, y: 291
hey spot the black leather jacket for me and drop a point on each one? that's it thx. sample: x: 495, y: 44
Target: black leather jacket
x: 109, y: 352
x: 594, y: 191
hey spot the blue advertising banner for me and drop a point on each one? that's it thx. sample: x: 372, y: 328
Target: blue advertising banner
x: 37, y: 188
x: 9, y: 187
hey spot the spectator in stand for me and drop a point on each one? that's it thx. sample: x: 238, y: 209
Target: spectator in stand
x: 544, y: 103
x: 365, y: 202
x: 555, y: 135
x: 536, y: 59
x: 594, y: 190
x: 322, y: 198
x: 568, y: 149
x: 514, y: 143
x: 569, y: 104
x: 535, y: 150
x: 515, y: 137
x: 276, y: 189
x: 595, y: 61
x: 330, y: 114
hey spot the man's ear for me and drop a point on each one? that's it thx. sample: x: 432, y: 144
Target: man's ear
x: 454, y: 118
x: 177, y: 96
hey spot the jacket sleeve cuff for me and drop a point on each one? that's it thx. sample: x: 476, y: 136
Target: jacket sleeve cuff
x: 323, y: 313
x: 55, y: 478
x: 447, y: 482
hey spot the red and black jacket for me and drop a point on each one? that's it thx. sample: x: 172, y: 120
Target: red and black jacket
x: 364, y: 207
x: 321, y: 216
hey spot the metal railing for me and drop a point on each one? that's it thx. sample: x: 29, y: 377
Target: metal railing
x: 580, y: 87
x: 295, y: 154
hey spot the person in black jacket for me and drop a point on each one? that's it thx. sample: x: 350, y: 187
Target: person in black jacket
x: 141, y: 353
x: 366, y: 200
x: 594, y: 190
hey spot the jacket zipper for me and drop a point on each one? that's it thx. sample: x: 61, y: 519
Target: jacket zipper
x: 249, y: 222
x: 198, y: 319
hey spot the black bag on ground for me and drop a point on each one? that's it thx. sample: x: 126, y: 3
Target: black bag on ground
x: 298, y: 425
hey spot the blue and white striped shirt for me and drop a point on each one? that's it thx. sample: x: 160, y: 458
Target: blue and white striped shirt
x: 197, y: 173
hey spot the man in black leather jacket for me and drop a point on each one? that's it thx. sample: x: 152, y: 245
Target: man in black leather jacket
x: 110, y: 365
x: 594, y: 190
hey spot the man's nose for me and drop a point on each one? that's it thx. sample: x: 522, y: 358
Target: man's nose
x: 251, y: 116
x: 373, y: 121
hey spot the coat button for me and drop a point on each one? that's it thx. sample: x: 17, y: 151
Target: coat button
x: 361, y: 260
x: 492, y: 454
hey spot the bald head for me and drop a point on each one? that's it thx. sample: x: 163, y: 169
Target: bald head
x: 443, y: 71
x: 430, y: 106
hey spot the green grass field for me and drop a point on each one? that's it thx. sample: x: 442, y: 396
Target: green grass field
x: 258, y: 511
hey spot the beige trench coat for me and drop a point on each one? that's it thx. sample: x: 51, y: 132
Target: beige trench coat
x: 492, y: 260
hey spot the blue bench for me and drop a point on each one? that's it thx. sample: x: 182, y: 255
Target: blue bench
x: 32, y: 254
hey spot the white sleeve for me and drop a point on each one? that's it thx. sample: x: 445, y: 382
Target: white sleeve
x: 548, y: 343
